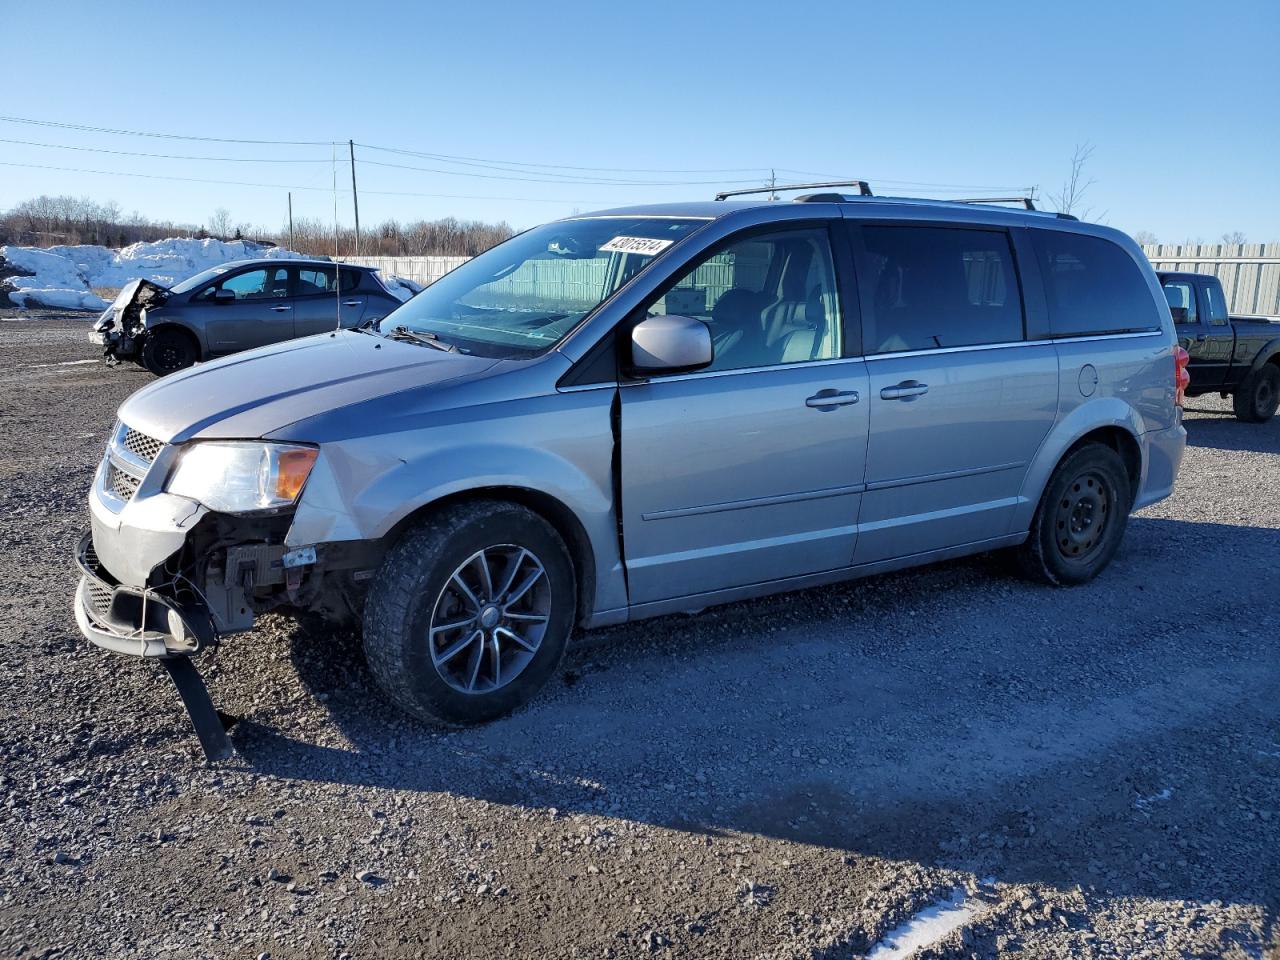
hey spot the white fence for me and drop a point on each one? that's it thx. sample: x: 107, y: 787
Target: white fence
x: 423, y: 270
x: 1250, y: 272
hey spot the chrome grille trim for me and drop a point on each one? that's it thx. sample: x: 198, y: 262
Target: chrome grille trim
x: 130, y: 455
x: 139, y: 444
x: 123, y: 485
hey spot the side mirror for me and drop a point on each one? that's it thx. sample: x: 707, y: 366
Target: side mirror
x: 222, y: 295
x: 1179, y: 314
x: 670, y: 344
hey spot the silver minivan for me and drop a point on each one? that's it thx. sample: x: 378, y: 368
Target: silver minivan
x: 636, y: 412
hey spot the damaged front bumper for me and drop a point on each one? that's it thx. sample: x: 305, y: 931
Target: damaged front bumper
x: 137, y: 621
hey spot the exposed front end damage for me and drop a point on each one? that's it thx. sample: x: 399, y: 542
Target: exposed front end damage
x: 121, y: 328
x: 164, y: 578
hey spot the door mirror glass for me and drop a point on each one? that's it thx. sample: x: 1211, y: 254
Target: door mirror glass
x: 670, y: 344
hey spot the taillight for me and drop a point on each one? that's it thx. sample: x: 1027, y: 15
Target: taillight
x: 1181, y: 376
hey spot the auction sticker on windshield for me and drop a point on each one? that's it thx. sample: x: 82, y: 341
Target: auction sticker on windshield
x: 645, y: 246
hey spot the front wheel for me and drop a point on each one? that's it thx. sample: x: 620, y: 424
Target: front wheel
x: 168, y: 351
x: 470, y: 612
x: 1081, y: 518
x: 1256, y: 400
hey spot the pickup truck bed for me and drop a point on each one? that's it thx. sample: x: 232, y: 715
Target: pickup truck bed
x: 1234, y: 356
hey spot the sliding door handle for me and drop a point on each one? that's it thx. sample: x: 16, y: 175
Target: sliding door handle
x: 906, y: 390
x: 829, y: 399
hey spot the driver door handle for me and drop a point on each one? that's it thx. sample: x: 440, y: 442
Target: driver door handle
x: 906, y: 390
x: 830, y: 398
x: 281, y: 309
x: 351, y: 303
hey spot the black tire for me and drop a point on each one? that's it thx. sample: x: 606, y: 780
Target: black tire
x: 1256, y: 400
x: 410, y: 588
x: 1080, y: 520
x: 169, y: 350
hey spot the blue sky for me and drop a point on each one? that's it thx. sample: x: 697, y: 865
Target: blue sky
x: 1181, y: 102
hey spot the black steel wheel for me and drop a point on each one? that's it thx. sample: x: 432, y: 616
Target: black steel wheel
x: 1081, y: 518
x: 167, y: 351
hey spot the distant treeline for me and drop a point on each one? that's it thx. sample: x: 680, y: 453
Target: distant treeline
x: 50, y: 221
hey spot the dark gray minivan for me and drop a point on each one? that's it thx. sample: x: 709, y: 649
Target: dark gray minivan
x: 642, y: 411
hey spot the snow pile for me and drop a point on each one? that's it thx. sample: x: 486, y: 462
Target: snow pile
x: 63, y: 277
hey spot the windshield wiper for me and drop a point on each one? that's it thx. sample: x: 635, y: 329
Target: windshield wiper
x: 423, y: 337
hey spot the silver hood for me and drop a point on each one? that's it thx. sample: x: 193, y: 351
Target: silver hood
x: 249, y: 395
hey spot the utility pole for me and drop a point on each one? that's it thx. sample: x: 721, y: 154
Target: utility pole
x: 355, y: 197
x: 773, y: 182
x: 290, y: 219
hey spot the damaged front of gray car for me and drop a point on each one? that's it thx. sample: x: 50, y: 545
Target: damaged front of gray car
x: 121, y: 328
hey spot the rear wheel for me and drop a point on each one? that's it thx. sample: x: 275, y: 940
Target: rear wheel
x: 1256, y: 400
x: 1081, y: 518
x: 167, y: 351
x: 470, y: 612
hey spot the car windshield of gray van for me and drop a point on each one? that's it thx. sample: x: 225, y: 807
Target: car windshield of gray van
x: 523, y: 296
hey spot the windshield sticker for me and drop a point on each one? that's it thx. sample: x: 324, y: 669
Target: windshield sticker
x: 644, y: 246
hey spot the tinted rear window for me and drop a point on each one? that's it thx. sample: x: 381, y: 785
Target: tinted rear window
x: 933, y: 287
x: 1092, y: 286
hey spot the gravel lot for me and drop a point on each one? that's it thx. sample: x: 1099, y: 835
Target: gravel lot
x: 1097, y: 770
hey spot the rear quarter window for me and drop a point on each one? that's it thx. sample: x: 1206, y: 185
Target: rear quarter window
x: 1092, y: 286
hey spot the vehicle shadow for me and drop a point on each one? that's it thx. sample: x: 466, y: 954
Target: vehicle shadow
x: 1222, y: 431
x: 951, y: 714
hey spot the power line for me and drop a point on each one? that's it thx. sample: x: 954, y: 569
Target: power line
x: 159, y: 156
x: 285, y: 186
x: 595, y: 181
x: 164, y: 136
x: 489, y: 161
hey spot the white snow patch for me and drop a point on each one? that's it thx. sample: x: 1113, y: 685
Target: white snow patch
x: 928, y: 926
x: 1144, y: 803
x: 65, y: 363
x: 63, y: 276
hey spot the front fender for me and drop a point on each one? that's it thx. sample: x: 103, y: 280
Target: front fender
x: 1090, y: 415
x: 159, y: 319
x: 557, y: 447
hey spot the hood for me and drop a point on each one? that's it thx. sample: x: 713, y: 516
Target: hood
x: 136, y: 294
x: 249, y: 395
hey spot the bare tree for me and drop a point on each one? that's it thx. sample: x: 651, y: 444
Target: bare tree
x: 1234, y: 237
x: 220, y: 222
x: 1076, y: 184
x: 1145, y: 238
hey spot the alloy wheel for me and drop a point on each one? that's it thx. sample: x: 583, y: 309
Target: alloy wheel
x: 490, y: 618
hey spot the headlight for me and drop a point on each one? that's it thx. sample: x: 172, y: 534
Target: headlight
x: 241, y: 477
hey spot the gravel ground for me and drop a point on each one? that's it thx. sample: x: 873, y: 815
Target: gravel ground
x: 1095, y: 770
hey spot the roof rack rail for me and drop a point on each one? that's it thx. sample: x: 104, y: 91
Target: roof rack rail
x: 864, y: 188
x: 1027, y: 202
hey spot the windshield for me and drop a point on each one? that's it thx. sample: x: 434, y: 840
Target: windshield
x: 204, y: 276
x: 523, y: 296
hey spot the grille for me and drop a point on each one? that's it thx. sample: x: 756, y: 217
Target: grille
x: 121, y: 484
x: 99, y: 598
x: 140, y: 445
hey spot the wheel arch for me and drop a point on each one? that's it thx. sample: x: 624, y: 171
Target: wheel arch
x: 562, y: 519
x: 175, y: 326
x: 1108, y: 421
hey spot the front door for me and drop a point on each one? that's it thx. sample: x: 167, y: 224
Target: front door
x: 261, y: 313
x: 1209, y: 350
x: 750, y: 470
x: 959, y: 401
